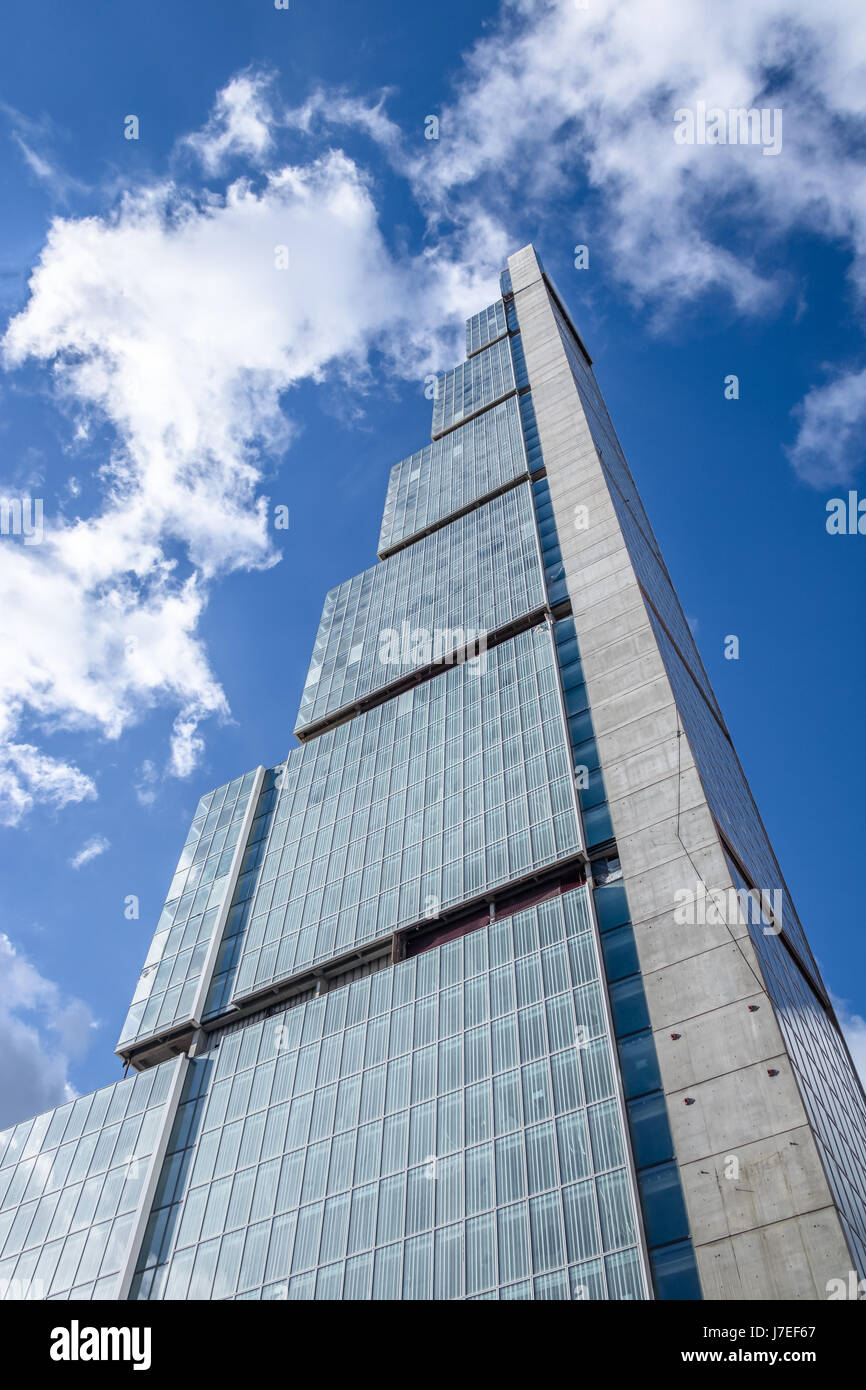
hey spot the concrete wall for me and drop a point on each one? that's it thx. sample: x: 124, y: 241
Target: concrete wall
x: 772, y: 1231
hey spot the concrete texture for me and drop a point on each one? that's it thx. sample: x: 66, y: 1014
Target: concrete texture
x: 772, y: 1232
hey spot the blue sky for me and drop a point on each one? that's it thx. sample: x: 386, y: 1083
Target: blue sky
x: 164, y: 387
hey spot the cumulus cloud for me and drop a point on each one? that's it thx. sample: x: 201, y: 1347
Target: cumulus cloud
x: 556, y: 98
x: 173, y: 321
x: 240, y: 124
x: 91, y: 850
x: 41, y: 1033
x: 169, y: 321
x: 596, y: 90
x: 832, y: 427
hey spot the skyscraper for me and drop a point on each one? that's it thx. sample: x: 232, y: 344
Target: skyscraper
x: 493, y: 988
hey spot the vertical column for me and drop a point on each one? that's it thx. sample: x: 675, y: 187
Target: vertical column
x: 222, y: 918
x: 154, y: 1168
x: 729, y: 1084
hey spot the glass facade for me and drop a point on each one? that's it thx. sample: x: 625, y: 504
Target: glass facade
x: 665, y: 1221
x: 447, y: 1128
x: 451, y: 1125
x: 469, y: 579
x: 170, y: 980
x: 222, y: 978
x: 828, y: 1083
x: 480, y: 382
x: 468, y: 465
x: 484, y: 328
x: 434, y: 797
x: 71, y: 1183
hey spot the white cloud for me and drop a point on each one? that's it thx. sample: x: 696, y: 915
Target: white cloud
x: 324, y: 108
x: 28, y: 776
x: 192, y: 363
x: 596, y: 90
x: 39, y: 166
x: 91, y: 850
x: 29, y: 136
x: 189, y: 364
x: 832, y: 427
x: 146, y: 786
x: 854, y: 1028
x: 240, y: 124
x: 41, y: 1033
x: 556, y: 97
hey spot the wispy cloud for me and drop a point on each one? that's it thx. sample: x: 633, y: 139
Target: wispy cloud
x: 147, y: 784
x: 34, y: 139
x: 329, y: 109
x: 91, y: 850
x: 28, y: 776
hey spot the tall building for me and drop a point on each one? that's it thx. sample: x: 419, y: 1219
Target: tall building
x: 493, y: 988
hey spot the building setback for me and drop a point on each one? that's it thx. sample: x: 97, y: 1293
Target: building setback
x: 493, y: 988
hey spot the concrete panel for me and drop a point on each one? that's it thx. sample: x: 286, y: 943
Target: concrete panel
x: 731, y: 1194
x: 730, y: 1109
x: 792, y: 1259
x: 693, y: 1056
x: 700, y: 980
